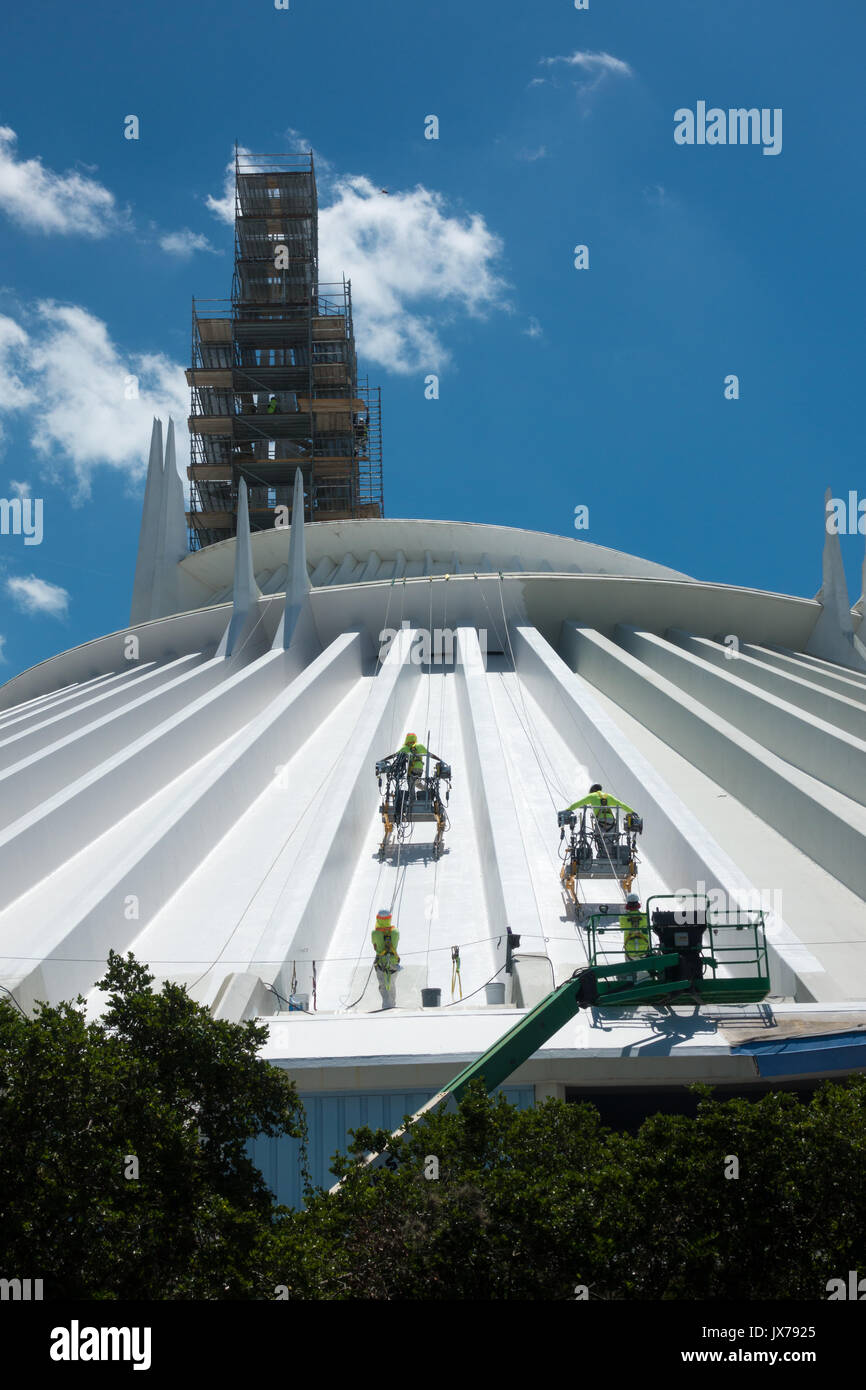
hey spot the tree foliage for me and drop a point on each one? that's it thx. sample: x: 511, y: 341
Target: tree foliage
x: 519, y: 1204
x: 540, y: 1203
x: 159, y: 1080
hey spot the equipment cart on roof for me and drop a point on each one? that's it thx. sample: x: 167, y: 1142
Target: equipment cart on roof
x: 408, y: 800
x: 597, y: 849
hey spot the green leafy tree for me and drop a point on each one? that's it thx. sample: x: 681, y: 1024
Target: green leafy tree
x: 794, y: 1217
x: 478, y: 1203
x: 159, y: 1080
x: 534, y: 1204
x: 514, y: 1211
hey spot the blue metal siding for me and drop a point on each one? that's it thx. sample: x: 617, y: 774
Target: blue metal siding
x: 794, y: 1057
x: 329, y: 1118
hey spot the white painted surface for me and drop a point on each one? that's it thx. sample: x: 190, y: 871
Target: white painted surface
x: 391, y: 548
x: 234, y: 799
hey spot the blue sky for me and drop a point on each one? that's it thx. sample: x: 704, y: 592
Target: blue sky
x: 558, y: 387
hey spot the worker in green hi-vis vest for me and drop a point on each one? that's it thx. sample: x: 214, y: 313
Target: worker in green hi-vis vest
x: 415, y: 752
x: 602, y: 806
x: 385, y: 939
x: 636, y: 939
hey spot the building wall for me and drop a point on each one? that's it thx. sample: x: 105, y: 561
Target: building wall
x: 329, y: 1118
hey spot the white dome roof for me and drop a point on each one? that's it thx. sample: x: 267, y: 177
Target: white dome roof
x: 351, y: 552
x: 199, y: 788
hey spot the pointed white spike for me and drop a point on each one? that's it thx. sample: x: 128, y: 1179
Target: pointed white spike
x: 246, y: 592
x: 298, y: 578
x: 145, y: 567
x: 834, y: 589
x: 176, y: 531
x: 860, y: 606
x: 245, y: 579
x: 171, y: 542
x: 832, y: 637
x: 297, y: 627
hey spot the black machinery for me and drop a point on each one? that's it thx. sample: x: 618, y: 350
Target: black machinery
x: 602, y: 843
x: 409, y: 798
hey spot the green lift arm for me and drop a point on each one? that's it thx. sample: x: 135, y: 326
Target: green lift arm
x: 729, y: 970
x: 581, y: 991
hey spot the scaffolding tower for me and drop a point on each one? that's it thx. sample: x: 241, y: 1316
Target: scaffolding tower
x: 274, y: 378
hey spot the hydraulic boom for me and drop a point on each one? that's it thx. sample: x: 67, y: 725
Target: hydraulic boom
x: 730, y: 967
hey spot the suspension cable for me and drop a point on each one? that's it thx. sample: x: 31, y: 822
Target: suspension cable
x: 440, y: 737
x: 529, y: 733
x: 390, y: 740
x: 520, y: 688
x: 265, y: 877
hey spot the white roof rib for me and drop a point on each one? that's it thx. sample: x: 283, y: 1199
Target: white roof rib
x: 231, y: 770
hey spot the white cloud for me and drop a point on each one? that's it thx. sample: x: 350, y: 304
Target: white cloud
x: 43, y: 201
x: 185, y: 242
x: 530, y: 156
x: 34, y: 595
x: 299, y: 143
x: 20, y: 489
x: 13, y: 342
x: 83, y: 410
x: 14, y: 395
x: 594, y: 63
x: 595, y: 68
x: 410, y: 264
x: 223, y: 208
x: 535, y: 329
x: 296, y: 143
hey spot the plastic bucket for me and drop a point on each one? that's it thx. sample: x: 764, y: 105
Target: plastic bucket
x: 495, y: 992
x: 431, y: 998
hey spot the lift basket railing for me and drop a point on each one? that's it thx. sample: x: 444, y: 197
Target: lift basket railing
x: 721, y: 956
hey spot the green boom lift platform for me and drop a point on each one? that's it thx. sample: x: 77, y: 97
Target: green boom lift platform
x: 702, y: 956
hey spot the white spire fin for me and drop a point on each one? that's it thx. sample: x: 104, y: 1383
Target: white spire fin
x: 145, y: 567
x: 246, y: 592
x: 297, y: 628
x: 859, y: 608
x: 172, y: 543
x: 832, y: 637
